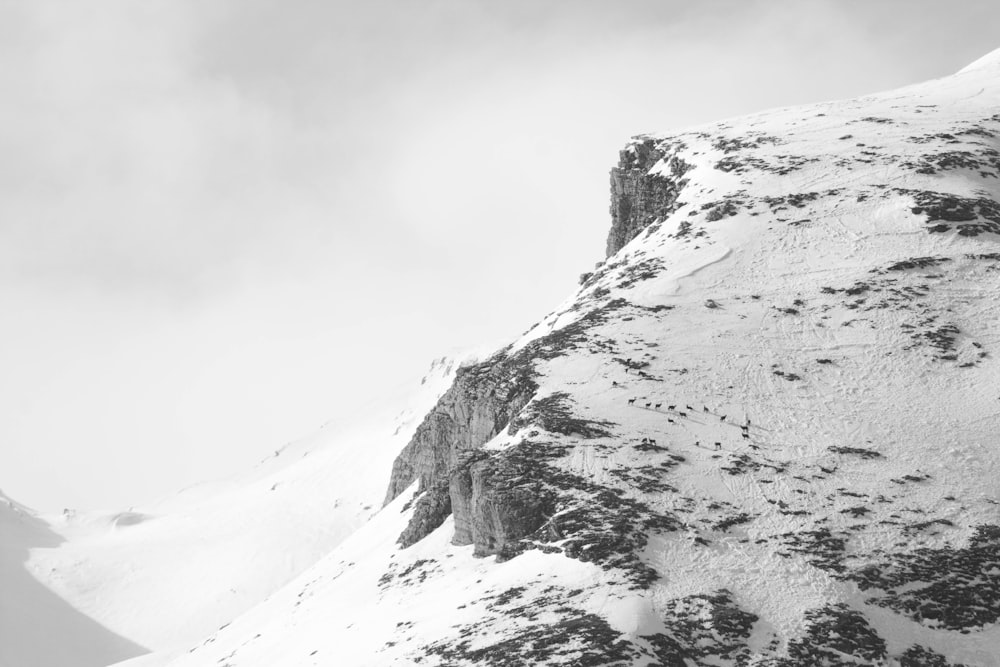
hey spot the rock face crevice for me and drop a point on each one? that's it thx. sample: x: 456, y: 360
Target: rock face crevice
x: 481, y: 402
x: 486, y: 398
x: 496, y: 502
x: 491, y: 512
x: 639, y: 198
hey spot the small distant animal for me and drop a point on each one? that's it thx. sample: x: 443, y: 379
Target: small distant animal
x: 652, y: 442
x: 657, y: 406
x: 614, y: 383
x: 671, y: 407
x: 671, y: 421
x: 683, y: 414
x: 722, y: 418
x: 746, y: 436
x: 718, y: 446
x: 631, y: 401
x: 644, y: 441
x: 704, y: 409
x: 748, y: 421
x: 697, y: 443
x: 648, y: 404
x: 689, y: 408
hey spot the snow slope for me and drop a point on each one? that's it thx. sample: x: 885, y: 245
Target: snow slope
x: 38, y: 628
x: 160, y: 577
x: 809, y: 338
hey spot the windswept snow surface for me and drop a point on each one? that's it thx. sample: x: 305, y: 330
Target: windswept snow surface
x: 94, y: 588
x: 37, y: 627
x: 829, y: 280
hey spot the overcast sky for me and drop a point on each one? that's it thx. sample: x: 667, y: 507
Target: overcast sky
x: 224, y: 223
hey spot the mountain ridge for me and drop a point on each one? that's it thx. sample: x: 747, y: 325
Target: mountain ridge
x: 761, y: 432
x: 782, y: 372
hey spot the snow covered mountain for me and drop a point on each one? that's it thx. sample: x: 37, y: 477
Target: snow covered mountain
x: 762, y: 432
x: 90, y: 589
x: 37, y: 627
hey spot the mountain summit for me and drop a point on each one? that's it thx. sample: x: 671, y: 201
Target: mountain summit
x: 762, y: 432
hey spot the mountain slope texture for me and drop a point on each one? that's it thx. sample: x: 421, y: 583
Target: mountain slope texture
x: 762, y: 432
x: 86, y: 589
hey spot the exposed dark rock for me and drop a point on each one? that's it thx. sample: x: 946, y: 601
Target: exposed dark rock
x: 985, y: 161
x: 553, y: 413
x: 797, y: 199
x: 431, y: 509
x: 973, y: 215
x: 822, y: 548
x: 741, y: 464
x: 496, y: 504
x: 509, y: 501
x: 734, y: 520
x: 955, y: 589
x: 834, y: 633
x: 921, y: 656
x: 703, y: 630
x: 639, y: 198
x: 480, y: 403
x: 916, y: 263
x: 577, y: 638
x: 719, y: 210
x: 856, y: 451
x: 639, y: 271
x: 744, y: 142
x: 415, y: 573
x: 942, y: 337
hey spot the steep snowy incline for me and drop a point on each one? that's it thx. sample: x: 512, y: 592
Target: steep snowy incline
x: 166, y: 574
x: 761, y: 433
x: 37, y: 628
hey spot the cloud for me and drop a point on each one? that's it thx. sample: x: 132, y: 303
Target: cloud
x: 124, y: 166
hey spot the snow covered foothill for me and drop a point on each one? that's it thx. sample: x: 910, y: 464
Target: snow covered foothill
x: 765, y: 424
x: 158, y: 578
x: 37, y: 627
x: 366, y: 604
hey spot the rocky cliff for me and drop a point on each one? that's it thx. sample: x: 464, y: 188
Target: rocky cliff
x: 578, y: 477
x: 639, y: 196
x: 481, y: 402
x: 486, y: 397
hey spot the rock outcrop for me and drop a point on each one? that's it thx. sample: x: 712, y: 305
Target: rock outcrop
x: 494, y: 502
x: 638, y: 197
x: 486, y: 398
x: 787, y: 377
x: 431, y: 509
x: 495, y: 506
x: 483, y: 400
